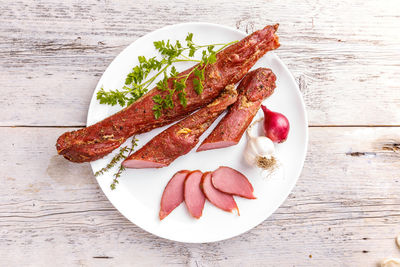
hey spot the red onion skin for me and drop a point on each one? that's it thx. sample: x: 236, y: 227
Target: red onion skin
x: 276, y: 125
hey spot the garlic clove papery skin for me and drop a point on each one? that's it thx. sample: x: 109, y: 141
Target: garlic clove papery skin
x: 258, y: 147
x: 398, y: 240
x: 250, y: 154
x: 264, y: 147
x: 390, y: 262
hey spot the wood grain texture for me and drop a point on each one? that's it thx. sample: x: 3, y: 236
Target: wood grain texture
x: 345, y: 55
x: 344, y: 211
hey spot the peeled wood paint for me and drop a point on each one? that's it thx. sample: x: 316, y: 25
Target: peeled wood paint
x: 358, y: 219
x: 63, y: 211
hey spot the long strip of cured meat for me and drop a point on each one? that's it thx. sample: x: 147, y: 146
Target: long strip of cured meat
x: 173, y: 193
x: 219, y: 199
x: 232, y: 64
x: 194, y: 197
x: 253, y: 89
x: 230, y: 181
x: 181, y: 137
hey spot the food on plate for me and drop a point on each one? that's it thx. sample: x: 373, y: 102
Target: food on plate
x: 123, y: 153
x: 217, y: 198
x: 253, y: 89
x: 194, y: 197
x: 173, y: 193
x: 181, y: 137
x: 195, y: 187
x: 259, y: 151
x: 231, y: 65
x: 231, y: 181
x: 138, y: 82
x: 276, y: 125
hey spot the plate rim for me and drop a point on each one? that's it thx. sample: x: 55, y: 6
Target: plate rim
x: 297, y: 92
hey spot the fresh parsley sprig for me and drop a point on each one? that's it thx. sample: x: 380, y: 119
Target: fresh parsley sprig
x: 138, y: 81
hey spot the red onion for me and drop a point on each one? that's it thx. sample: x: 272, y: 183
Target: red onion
x: 276, y: 125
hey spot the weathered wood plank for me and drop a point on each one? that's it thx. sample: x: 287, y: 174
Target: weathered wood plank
x: 344, y: 211
x: 344, y: 55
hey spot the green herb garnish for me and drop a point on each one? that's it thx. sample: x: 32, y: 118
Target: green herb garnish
x: 113, y: 161
x: 138, y: 81
x: 124, y: 152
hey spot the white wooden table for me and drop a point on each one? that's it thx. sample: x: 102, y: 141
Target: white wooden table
x: 345, y: 208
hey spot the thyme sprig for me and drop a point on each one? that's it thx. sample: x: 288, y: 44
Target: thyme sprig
x: 138, y: 81
x: 122, y: 168
x: 123, y: 153
x: 118, y: 157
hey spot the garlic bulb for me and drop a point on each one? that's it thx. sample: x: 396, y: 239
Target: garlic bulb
x: 257, y: 148
x: 259, y: 151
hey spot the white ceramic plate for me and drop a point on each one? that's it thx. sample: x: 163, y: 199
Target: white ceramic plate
x: 138, y: 194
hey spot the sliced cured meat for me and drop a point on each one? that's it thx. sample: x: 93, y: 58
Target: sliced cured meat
x: 253, y: 89
x: 231, y: 181
x: 96, y: 141
x: 194, y: 197
x: 181, y: 137
x: 173, y: 193
x: 217, y: 198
